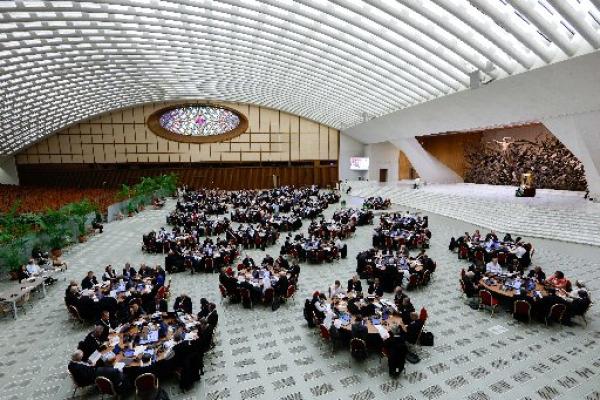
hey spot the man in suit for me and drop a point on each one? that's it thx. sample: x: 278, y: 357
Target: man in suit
x: 281, y: 285
x: 354, y: 284
x: 359, y: 328
x: 106, y: 325
x: 92, y: 342
x: 109, y: 371
x: 413, y: 328
x: 82, y: 372
x: 376, y: 288
x: 89, y: 281
x: 396, y: 353
x: 183, y: 303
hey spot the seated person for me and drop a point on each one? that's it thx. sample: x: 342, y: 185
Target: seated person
x: 354, y: 284
x: 399, y: 295
x: 471, y: 284
x: 109, y: 371
x: 106, y: 324
x: 57, y: 262
x: 405, y: 309
x: 359, y: 328
x: 493, y: 268
x: 92, y: 342
x: 557, y: 280
x: 23, y: 274
x: 543, y: 305
x: 537, y: 273
x: 32, y: 268
x: 83, y: 373
x: 183, y: 303
x: 578, y: 305
x: 335, y: 289
x: 109, y: 274
x: 89, y: 281
x: 376, y: 288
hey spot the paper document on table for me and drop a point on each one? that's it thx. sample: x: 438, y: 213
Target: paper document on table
x: 382, y: 332
x: 120, y: 366
x: 94, y: 357
x: 139, y: 350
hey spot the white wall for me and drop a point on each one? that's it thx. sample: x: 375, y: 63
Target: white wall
x: 350, y: 147
x: 383, y: 156
x: 429, y: 168
x: 8, y: 171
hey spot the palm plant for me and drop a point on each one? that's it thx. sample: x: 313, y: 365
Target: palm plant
x: 54, y: 224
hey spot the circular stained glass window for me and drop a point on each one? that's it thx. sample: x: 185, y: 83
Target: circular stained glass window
x: 199, y: 120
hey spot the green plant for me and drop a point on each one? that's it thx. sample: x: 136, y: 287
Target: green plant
x: 54, y: 224
x: 168, y: 184
x: 14, y: 229
x: 131, y: 207
x: 78, y: 212
x: 125, y: 192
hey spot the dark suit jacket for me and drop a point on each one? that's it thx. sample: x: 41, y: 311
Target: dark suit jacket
x: 89, y: 345
x: 183, y: 304
x: 354, y: 286
x: 88, y: 283
x: 378, y: 291
x: 359, y: 331
x: 83, y: 374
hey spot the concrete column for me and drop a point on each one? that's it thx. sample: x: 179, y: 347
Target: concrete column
x: 580, y: 133
x: 429, y: 168
x: 8, y: 171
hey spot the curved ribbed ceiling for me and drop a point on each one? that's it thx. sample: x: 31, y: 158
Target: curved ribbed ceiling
x: 334, y: 61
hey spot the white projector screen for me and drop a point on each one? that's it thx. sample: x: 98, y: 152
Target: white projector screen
x: 359, y: 163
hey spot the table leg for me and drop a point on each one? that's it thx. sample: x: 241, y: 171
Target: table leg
x: 43, y: 287
x: 14, y: 304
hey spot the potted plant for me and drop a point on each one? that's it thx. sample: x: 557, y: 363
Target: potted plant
x: 13, y: 239
x: 78, y: 213
x: 53, y: 223
x: 131, y: 209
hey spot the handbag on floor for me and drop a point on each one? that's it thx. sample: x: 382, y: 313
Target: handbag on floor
x: 426, y: 339
x: 412, y: 358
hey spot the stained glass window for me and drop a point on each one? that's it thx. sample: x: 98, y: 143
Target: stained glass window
x: 199, y: 120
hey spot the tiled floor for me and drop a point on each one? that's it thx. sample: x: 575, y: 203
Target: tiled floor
x: 273, y: 355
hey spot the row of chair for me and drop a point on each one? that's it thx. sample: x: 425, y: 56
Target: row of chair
x: 145, y: 384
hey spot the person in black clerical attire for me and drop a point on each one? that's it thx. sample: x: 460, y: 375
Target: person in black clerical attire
x: 213, y: 317
x: 183, y: 303
x: 281, y: 285
x: 204, y: 310
x: 106, y: 325
x: 354, y: 284
x: 91, y: 343
x: 405, y: 309
x: 376, y: 288
x: 89, y: 281
x: 396, y: 353
x: 359, y: 328
x: 413, y: 328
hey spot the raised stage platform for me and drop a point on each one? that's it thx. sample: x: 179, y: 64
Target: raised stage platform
x: 553, y: 214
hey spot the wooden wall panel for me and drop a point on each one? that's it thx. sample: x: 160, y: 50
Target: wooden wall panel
x: 227, y: 176
x: 123, y: 137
